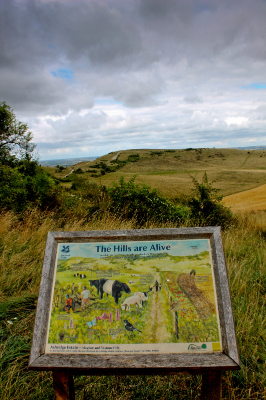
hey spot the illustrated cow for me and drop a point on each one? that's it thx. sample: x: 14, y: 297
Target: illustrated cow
x: 108, y: 286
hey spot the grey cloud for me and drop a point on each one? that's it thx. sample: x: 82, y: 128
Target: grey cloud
x: 150, y: 55
x: 192, y: 99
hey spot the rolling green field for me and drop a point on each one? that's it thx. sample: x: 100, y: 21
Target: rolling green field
x: 170, y: 171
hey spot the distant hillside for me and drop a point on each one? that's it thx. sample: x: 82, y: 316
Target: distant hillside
x: 171, y: 171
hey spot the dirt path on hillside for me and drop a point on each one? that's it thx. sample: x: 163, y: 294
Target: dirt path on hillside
x: 69, y: 173
x: 116, y: 156
x: 249, y: 200
x: 155, y: 328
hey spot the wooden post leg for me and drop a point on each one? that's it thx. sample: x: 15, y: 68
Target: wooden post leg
x: 211, y: 385
x: 63, y: 385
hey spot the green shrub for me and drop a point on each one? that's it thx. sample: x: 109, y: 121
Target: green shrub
x: 206, y: 207
x: 133, y: 158
x: 59, y: 168
x: 156, y: 153
x: 13, y: 194
x: 25, y: 184
x: 78, y: 171
x: 143, y: 203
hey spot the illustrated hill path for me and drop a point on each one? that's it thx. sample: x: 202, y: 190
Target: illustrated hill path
x: 202, y: 305
x: 156, y: 327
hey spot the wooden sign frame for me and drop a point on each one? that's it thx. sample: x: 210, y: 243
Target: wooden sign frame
x: 136, y: 364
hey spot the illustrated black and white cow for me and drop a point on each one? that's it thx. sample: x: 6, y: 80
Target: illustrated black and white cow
x: 82, y: 276
x: 114, y: 288
x: 96, y: 283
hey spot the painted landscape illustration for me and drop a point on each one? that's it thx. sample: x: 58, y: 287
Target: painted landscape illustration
x: 134, y: 293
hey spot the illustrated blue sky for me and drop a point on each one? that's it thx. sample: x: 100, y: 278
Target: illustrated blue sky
x: 94, y: 76
x: 96, y: 250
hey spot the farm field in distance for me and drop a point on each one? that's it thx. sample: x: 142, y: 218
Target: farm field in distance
x: 171, y: 171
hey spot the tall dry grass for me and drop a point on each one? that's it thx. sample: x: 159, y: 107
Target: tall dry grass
x: 245, y: 250
x: 22, y: 247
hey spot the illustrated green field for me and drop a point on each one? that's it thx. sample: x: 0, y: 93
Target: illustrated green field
x: 155, y: 319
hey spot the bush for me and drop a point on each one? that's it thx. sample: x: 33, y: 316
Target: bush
x: 13, y: 194
x: 143, y: 203
x: 78, y: 171
x: 133, y: 157
x: 25, y: 184
x: 206, y: 207
x: 59, y: 168
x: 156, y: 153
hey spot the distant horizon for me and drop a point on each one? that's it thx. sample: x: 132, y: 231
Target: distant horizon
x: 70, y: 158
x: 65, y: 162
x: 259, y: 147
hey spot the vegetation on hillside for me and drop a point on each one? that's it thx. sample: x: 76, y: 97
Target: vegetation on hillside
x: 78, y: 203
x: 232, y: 170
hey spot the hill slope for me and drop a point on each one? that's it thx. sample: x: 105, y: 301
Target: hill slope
x: 171, y: 171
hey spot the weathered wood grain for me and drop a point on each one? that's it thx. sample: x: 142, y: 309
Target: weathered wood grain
x: 137, y: 234
x: 224, y: 298
x: 43, y: 305
x: 156, y: 363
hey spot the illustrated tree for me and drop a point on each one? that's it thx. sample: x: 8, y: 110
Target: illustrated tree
x: 15, y: 138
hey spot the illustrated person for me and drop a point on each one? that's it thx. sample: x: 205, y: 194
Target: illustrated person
x: 68, y: 304
x: 85, y: 296
x: 72, y: 288
x: 156, y: 285
x: 160, y: 287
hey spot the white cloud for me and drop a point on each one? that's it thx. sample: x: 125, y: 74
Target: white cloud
x: 236, y: 120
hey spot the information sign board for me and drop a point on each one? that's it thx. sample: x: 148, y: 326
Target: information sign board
x: 137, y: 300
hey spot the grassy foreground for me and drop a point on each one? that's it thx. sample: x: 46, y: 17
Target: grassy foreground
x: 22, y: 247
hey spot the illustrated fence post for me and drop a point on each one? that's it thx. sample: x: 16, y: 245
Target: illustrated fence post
x: 176, y: 325
x: 211, y: 385
x: 63, y: 385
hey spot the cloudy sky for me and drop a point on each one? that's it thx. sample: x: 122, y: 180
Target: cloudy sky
x: 90, y: 77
